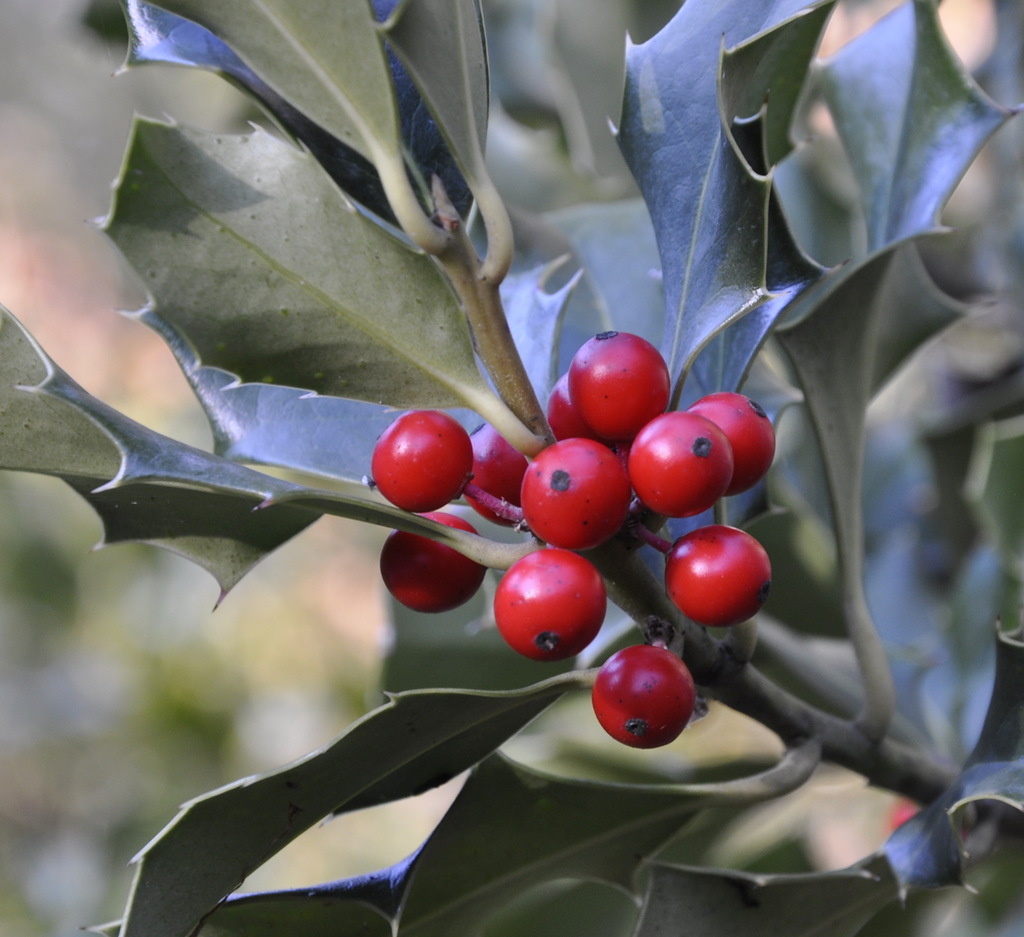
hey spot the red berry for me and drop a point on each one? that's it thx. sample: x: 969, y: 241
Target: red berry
x: 563, y: 418
x: 749, y: 431
x: 422, y: 460
x: 618, y: 382
x: 680, y: 464
x: 718, y: 575
x: 428, y: 576
x: 643, y: 696
x: 550, y: 604
x: 498, y: 468
x: 575, y: 494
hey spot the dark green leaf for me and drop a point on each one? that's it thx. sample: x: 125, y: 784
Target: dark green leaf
x: 325, y: 58
x: 910, y: 118
x: 269, y: 425
x: 365, y: 905
x: 414, y: 742
x: 535, y: 319
x: 731, y: 904
x: 615, y: 246
x: 144, y: 486
x: 157, y: 36
x: 710, y: 211
x: 257, y: 261
x: 766, y: 74
x: 927, y: 851
x: 441, y: 43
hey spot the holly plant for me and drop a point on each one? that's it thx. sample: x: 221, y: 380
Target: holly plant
x: 688, y: 443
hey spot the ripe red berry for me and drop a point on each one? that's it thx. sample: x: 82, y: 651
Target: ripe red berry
x: 563, y: 417
x: 426, y: 575
x: 643, y: 696
x: 575, y: 494
x: 550, y: 604
x: 617, y: 383
x: 718, y: 575
x: 498, y: 468
x: 749, y: 431
x: 422, y: 460
x: 680, y: 464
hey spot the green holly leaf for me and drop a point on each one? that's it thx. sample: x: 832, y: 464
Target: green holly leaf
x: 255, y: 259
x: 325, y: 58
x: 764, y: 77
x: 157, y: 36
x: 144, y: 486
x: 910, y: 118
x: 733, y: 904
x: 549, y: 827
x: 269, y: 425
x: 614, y: 244
x: 710, y: 210
x: 415, y: 741
x: 454, y: 85
x: 928, y: 851
x: 535, y: 319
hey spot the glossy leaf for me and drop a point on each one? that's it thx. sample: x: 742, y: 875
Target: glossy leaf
x: 326, y: 59
x: 732, y: 904
x: 284, y: 426
x: 765, y: 76
x: 614, y: 245
x: 710, y: 211
x: 157, y: 36
x: 255, y: 259
x: 927, y: 851
x: 453, y: 84
x: 910, y: 119
x: 144, y: 486
x: 535, y: 319
x: 548, y: 827
x: 414, y: 742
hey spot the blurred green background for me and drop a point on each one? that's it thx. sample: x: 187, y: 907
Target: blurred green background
x: 123, y: 692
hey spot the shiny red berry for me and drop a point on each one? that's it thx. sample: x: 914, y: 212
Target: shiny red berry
x: 422, y: 460
x: 680, y: 464
x: 426, y: 575
x: 643, y: 696
x: 575, y: 494
x: 749, y: 431
x: 563, y: 418
x: 718, y: 575
x: 498, y: 468
x: 618, y: 382
x: 550, y: 604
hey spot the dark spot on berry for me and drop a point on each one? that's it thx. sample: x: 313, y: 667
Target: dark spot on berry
x: 601, y: 336
x: 702, y: 447
x: 762, y: 593
x: 560, y: 480
x: 636, y: 726
x: 758, y: 409
x: 546, y: 640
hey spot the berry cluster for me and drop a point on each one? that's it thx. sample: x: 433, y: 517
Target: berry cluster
x: 619, y: 461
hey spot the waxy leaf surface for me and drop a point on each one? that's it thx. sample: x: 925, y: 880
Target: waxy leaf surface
x: 157, y: 36
x: 415, y: 741
x: 709, y: 207
x: 910, y: 118
x: 255, y: 258
x: 144, y: 486
x: 927, y: 851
